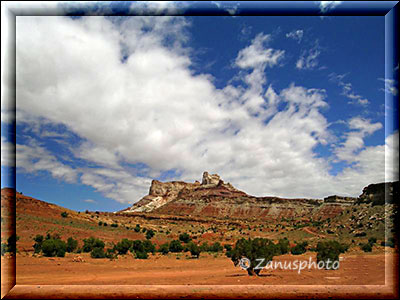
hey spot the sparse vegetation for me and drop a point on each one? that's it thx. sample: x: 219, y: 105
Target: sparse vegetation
x: 71, y: 244
x: 252, y: 250
x: 91, y: 243
x: 175, y: 246
x: 64, y: 214
x: 149, y: 234
x: 194, y: 249
x: 184, y: 237
x: 299, y: 248
x: 330, y: 250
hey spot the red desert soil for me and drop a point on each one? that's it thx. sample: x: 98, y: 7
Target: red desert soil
x: 207, y: 270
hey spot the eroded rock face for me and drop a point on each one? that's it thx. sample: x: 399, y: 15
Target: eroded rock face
x: 210, y: 179
x: 214, y: 198
x: 380, y: 193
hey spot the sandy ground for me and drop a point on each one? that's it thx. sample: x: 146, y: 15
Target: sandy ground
x: 167, y: 270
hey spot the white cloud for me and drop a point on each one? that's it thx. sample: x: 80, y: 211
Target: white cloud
x: 257, y: 54
x: 33, y: 158
x: 347, y: 90
x: 355, y: 139
x: 90, y: 201
x: 297, y: 35
x: 325, y: 6
x: 308, y: 59
x: 127, y: 90
x: 390, y: 86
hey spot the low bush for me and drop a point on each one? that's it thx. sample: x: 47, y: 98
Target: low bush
x: 175, y: 246
x: 37, y: 247
x: 123, y: 246
x: 216, y: 247
x: 91, y: 243
x: 148, y: 246
x: 330, y: 251
x: 64, y: 214
x: 71, y: 245
x: 141, y: 255
x: 283, y: 246
x: 184, y: 237
x: 366, y: 247
x: 114, y: 225
x: 253, y: 250
x: 164, y: 248
x: 97, y: 253
x: 137, y: 228
x: 149, y: 234
x: 299, y: 248
x: 54, y: 247
x: 194, y: 249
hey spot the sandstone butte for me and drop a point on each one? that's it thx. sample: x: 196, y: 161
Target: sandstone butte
x: 216, y: 199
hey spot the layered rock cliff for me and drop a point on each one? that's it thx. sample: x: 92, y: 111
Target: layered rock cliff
x: 215, y: 198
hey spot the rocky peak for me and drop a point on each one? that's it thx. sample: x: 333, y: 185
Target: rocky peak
x: 208, y: 179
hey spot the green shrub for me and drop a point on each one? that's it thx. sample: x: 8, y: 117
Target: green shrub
x: 144, y: 230
x: 97, y: 253
x: 12, y: 243
x: 114, y: 225
x: 137, y: 245
x: 105, y: 224
x: 228, y: 247
x: 100, y: 223
x: 54, y: 247
x: 299, y: 249
x: 141, y: 255
x: 258, y: 248
x: 137, y: 228
x: 164, y: 248
x: 366, y: 247
x: 3, y: 249
x: 216, y: 247
x: 204, y: 247
x: 360, y: 234
x: 91, y: 243
x: 148, y: 246
x: 38, y: 243
x: 71, y: 245
x: 283, y: 246
x: 330, y: 250
x: 194, y: 249
x: 149, y: 234
x: 372, y: 240
x: 123, y: 246
x: 175, y: 246
x: 184, y: 237
x: 64, y: 214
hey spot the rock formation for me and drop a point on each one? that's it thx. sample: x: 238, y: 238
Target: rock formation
x: 216, y: 199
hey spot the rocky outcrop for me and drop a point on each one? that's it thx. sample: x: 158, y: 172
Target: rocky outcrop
x: 216, y: 199
x: 340, y: 200
x: 208, y: 179
x: 380, y: 193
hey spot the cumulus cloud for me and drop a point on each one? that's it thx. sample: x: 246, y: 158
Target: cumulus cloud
x: 347, y: 89
x: 296, y: 35
x: 126, y: 88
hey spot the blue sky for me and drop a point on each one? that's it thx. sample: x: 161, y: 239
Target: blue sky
x: 286, y: 106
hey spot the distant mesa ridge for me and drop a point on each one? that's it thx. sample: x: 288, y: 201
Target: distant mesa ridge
x: 215, y: 198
